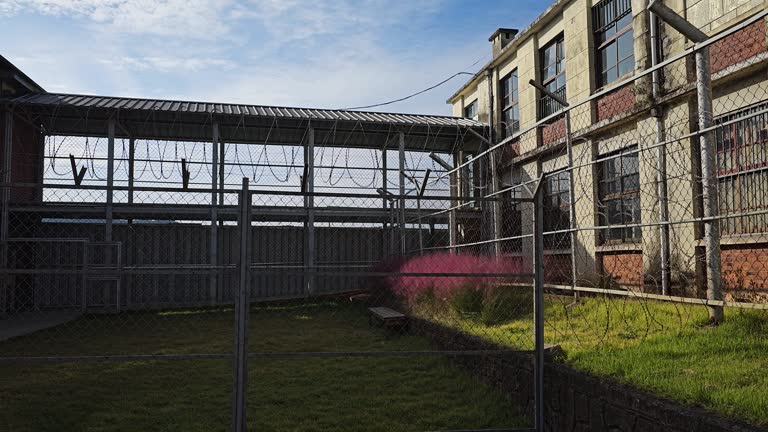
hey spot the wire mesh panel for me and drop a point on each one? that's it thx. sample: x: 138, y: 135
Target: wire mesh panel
x: 105, y: 326
x: 362, y: 331
x: 334, y: 294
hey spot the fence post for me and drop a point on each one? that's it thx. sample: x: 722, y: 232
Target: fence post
x: 401, y: 189
x: 213, y: 294
x: 709, y: 182
x: 538, y: 303
x: 240, y: 381
x: 661, y: 160
x: 310, y: 250
x: 706, y: 150
x: 5, y: 200
x: 110, y: 179
x: 572, y: 199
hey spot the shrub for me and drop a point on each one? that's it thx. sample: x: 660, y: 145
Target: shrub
x: 505, y: 303
x: 467, y: 301
x: 464, y: 285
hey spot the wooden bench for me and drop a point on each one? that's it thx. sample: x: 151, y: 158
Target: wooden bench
x: 389, y: 318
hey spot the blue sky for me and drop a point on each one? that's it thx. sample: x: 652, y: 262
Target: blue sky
x: 318, y: 53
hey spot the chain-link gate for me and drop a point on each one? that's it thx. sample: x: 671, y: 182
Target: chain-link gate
x: 360, y: 309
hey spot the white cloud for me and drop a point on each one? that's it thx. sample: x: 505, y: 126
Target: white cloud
x: 323, y: 53
x: 296, y: 19
x: 189, y: 18
x: 168, y: 64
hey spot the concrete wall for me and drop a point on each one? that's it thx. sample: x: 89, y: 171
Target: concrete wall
x: 186, y: 246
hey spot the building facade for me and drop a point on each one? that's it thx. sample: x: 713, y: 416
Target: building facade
x: 626, y: 210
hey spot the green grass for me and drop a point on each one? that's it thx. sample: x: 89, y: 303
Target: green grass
x: 658, y: 346
x: 285, y: 394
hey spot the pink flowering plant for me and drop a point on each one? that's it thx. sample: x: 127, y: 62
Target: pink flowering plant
x: 465, y: 285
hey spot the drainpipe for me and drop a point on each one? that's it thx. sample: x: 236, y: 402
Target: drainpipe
x: 661, y: 160
x: 495, y: 210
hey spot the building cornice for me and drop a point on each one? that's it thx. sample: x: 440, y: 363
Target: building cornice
x: 512, y: 46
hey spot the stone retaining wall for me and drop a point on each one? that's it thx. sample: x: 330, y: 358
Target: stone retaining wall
x: 574, y: 400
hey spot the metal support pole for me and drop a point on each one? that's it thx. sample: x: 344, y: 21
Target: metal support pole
x: 385, y: 230
x: 538, y: 304
x: 495, y: 205
x: 309, y: 206
x: 707, y: 152
x: 110, y: 177
x: 421, y: 235
x: 214, y: 294
x: 5, y: 217
x: 131, y: 169
x: 572, y: 204
x: 571, y: 195
x: 661, y: 162
x: 454, y: 191
x: 709, y: 183
x: 240, y: 381
x: 222, y: 154
x: 401, y: 169
x: 108, y: 256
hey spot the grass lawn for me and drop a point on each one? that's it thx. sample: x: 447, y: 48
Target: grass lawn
x: 659, y: 346
x: 285, y: 394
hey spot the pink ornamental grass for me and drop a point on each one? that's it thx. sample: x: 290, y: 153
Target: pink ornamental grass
x: 451, y: 273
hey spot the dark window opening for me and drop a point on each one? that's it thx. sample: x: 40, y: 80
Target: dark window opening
x: 557, y: 189
x: 619, y: 197
x: 510, y: 108
x: 471, y: 110
x: 552, y: 76
x: 614, y: 40
x: 742, y: 171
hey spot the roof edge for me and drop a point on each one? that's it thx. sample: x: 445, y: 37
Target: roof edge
x: 557, y: 6
x: 21, y: 77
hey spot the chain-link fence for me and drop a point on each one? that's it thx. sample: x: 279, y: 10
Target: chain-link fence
x: 145, y: 285
x: 379, y: 273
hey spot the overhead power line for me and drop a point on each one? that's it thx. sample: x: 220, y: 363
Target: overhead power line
x: 411, y: 95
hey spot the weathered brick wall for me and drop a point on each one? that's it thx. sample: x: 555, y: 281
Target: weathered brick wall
x: 739, y: 46
x: 745, y: 268
x: 616, y: 102
x: 553, y: 132
x: 574, y: 401
x: 557, y: 269
x: 625, y: 269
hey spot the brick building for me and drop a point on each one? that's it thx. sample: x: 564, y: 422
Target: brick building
x: 630, y: 232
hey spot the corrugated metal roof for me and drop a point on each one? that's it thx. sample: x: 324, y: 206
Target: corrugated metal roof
x: 117, y: 103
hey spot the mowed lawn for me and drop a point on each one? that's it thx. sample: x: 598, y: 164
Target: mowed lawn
x: 285, y: 394
x: 666, y: 348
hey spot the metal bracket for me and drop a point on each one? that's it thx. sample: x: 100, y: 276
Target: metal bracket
x: 544, y: 90
x: 440, y: 161
x: 303, y: 178
x: 423, y: 187
x: 184, y: 174
x: 78, y: 176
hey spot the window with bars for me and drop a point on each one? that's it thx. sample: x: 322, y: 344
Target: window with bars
x: 552, y: 76
x: 619, y: 196
x: 742, y: 170
x: 614, y: 39
x: 557, y: 211
x: 511, y: 218
x: 510, y: 109
x: 471, y: 110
